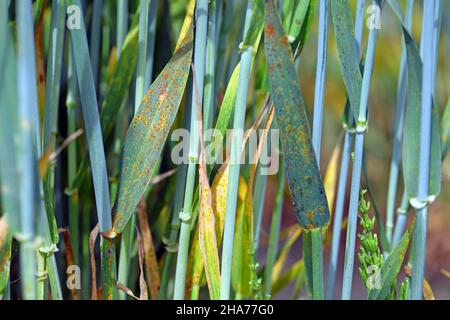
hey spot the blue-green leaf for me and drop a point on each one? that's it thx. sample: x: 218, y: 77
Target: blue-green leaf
x: 305, y: 183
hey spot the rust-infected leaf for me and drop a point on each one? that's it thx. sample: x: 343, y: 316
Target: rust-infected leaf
x: 40, y: 59
x: 304, y: 179
x: 148, y: 132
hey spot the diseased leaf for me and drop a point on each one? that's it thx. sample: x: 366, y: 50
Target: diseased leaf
x: 305, y: 183
x: 391, y: 268
x: 148, y: 132
x: 411, y: 140
x: 40, y: 54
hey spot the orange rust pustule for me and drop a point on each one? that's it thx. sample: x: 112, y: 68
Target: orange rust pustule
x: 270, y: 30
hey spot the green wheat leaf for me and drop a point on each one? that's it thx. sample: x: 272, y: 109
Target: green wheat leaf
x: 411, y: 141
x: 347, y: 50
x: 391, y: 268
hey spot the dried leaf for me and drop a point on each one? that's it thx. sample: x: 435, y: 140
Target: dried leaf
x: 92, y: 237
x: 151, y: 262
x: 69, y: 258
x: 141, y: 253
x: 207, y: 227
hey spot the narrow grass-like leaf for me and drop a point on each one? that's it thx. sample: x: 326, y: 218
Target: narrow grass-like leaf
x: 445, y: 131
x: 411, y: 143
x: 292, y: 237
x: 391, y: 268
x: 92, y: 125
x: 116, y: 93
x: 331, y: 175
x: 275, y: 227
x: 148, y: 133
x: 294, y: 15
x: 207, y: 237
x: 295, y: 271
x: 5, y: 263
x: 187, y: 22
x: 348, y: 52
x: 92, y: 122
x: 306, y: 187
x: 9, y: 124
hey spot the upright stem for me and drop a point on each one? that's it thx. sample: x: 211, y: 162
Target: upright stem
x: 319, y: 94
x: 398, y: 130
x: 211, y: 49
x: 361, y: 127
x: 178, y: 206
x: 29, y: 141
x: 235, y: 159
x: 402, y: 216
x: 225, y: 27
x: 126, y: 239
x: 201, y: 16
x: 343, y: 173
x: 420, y: 229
